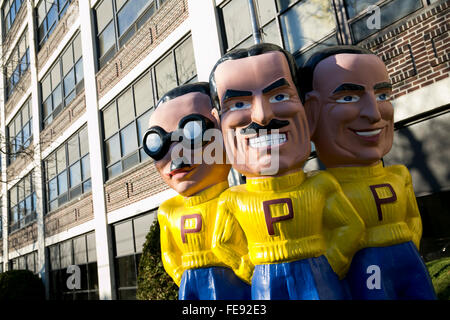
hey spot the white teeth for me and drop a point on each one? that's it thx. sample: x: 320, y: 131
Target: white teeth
x: 368, y: 133
x: 268, y: 140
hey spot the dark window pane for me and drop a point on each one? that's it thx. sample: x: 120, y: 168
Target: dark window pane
x: 126, y: 270
x: 131, y: 161
x: 54, y: 257
x: 114, y: 170
x: 69, y: 82
x: 389, y: 14
x: 47, y: 107
x: 93, y: 276
x: 57, y: 98
x: 307, y: 22
x: 87, y: 186
x: 129, y: 139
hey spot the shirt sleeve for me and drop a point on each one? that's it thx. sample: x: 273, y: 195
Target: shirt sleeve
x: 170, y: 253
x: 343, y: 227
x: 229, y: 242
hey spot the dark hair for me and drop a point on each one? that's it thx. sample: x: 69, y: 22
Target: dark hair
x: 306, y: 72
x: 254, y: 50
x: 202, y: 87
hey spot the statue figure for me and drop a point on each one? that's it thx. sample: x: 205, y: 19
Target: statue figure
x: 347, y: 90
x: 301, y: 231
x: 181, y: 117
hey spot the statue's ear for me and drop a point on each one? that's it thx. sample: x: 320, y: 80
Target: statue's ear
x: 312, y: 110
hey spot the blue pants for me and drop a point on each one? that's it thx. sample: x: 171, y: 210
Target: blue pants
x: 212, y: 283
x: 307, y: 279
x: 389, y: 273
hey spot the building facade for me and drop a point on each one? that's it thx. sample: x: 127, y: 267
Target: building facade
x: 81, y: 78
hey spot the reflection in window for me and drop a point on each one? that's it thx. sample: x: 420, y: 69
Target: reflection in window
x: 81, y: 253
x: 63, y: 82
x: 125, y: 119
x: 17, y: 64
x: 22, y: 203
x: 129, y: 239
x: 117, y: 21
x: 20, y: 132
x: 49, y: 12
x: 67, y: 171
x: 26, y: 262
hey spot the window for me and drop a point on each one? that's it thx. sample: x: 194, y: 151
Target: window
x: 297, y: 26
x: 129, y: 239
x: 26, y: 262
x: 67, y: 171
x: 117, y: 21
x: 79, y: 252
x: 49, y: 12
x: 390, y: 11
x: 20, y: 132
x: 16, y: 64
x: 63, y: 82
x: 9, y: 13
x: 22, y: 203
x: 125, y: 119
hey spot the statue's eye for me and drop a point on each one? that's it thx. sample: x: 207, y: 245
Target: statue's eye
x: 383, y: 97
x: 348, y: 99
x: 240, y: 105
x: 279, y: 98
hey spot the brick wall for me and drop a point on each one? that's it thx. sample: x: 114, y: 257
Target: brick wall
x: 416, y: 52
x: 63, y: 121
x: 60, y: 31
x: 70, y: 215
x: 136, y: 184
x: 22, y: 237
x: 170, y: 15
x: 19, y: 90
x: 23, y: 158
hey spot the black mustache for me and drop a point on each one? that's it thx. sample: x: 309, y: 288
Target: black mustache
x: 273, y: 124
x: 179, y: 163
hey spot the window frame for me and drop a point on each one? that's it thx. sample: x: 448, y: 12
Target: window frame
x: 16, y: 13
x: 85, y: 184
x: 17, y: 68
x: 59, y: 14
x: 78, y: 86
x: 13, y: 150
x: 121, y: 40
x: 26, y: 219
x: 142, y: 156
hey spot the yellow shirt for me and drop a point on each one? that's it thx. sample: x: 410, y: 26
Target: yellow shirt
x: 186, y: 227
x: 384, y: 199
x: 286, y: 219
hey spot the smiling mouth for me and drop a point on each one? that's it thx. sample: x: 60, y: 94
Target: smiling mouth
x: 367, y: 133
x: 267, y: 140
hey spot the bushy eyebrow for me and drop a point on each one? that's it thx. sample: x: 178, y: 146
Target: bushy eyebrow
x: 277, y: 84
x: 382, y: 85
x: 230, y: 93
x: 349, y: 87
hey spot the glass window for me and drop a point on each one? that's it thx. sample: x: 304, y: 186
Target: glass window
x: 64, y: 77
x: 141, y: 228
x: 126, y: 118
x: 48, y: 13
x: 21, y: 214
x: 73, y: 170
x: 390, y: 13
x: 307, y: 22
x: 238, y: 25
x: 127, y: 16
x: 79, y: 248
x: 184, y: 55
x: 19, y: 132
x: 16, y: 64
x: 10, y: 11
